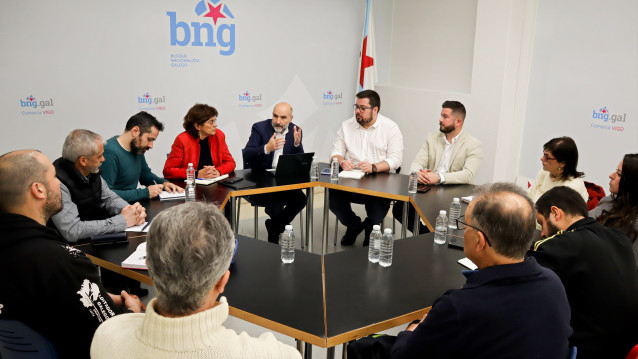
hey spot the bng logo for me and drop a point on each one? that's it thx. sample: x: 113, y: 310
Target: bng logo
x: 31, y: 103
x: 204, y: 33
x: 248, y: 100
x: 608, y: 118
x: 331, y: 98
x: 147, y: 99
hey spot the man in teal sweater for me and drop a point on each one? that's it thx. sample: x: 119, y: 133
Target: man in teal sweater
x: 125, y: 165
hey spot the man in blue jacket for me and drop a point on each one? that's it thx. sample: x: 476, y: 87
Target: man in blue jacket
x: 268, y: 140
x: 510, y: 307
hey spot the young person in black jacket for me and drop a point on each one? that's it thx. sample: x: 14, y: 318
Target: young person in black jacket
x: 46, y: 284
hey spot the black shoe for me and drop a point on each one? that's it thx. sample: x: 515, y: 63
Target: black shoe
x: 273, y: 233
x: 350, y: 237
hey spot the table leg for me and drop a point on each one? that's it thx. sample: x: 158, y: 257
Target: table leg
x: 344, y: 353
x: 326, y: 212
x: 300, y: 345
x: 232, y: 202
x: 308, y: 351
x: 310, y: 194
x: 416, y: 224
x: 404, y: 227
x: 330, y: 353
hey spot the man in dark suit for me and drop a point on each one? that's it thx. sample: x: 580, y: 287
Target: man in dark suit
x: 268, y: 140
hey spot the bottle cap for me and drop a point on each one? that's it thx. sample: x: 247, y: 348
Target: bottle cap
x: 190, y: 164
x: 443, y: 212
x: 288, y: 227
x: 376, y: 227
x: 455, y: 200
x: 387, y: 231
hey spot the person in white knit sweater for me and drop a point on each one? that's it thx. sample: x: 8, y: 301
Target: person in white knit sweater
x: 188, y: 261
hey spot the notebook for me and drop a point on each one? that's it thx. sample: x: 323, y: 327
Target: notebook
x: 137, y: 260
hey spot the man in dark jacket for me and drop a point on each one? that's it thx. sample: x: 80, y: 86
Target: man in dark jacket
x: 47, y: 285
x: 597, y: 268
x: 268, y: 140
x: 510, y: 307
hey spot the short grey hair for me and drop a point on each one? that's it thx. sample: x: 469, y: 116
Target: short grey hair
x: 509, y: 225
x: 189, y: 247
x: 80, y: 143
x: 18, y: 171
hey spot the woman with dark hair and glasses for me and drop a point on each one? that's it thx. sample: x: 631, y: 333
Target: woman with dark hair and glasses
x: 560, y: 158
x: 202, y: 144
x: 620, y: 208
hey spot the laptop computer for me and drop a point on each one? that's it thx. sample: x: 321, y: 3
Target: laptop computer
x: 293, y: 168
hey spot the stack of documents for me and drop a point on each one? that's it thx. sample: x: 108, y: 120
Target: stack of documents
x: 208, y: 181
x: 137, y: 260
x: 352, y: 174
x: 167, y: 195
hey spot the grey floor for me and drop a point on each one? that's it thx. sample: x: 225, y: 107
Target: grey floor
x: 246, y: 227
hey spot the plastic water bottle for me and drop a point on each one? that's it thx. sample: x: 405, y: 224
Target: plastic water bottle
x: 190, y: 174
x: 314, y: 169
x: 287, y: 242
x: 334, y: 170
x: 375, y: 244
x: 387, y: 246
x: 440, y: 231
x: 455, y: 213
x: 189, y: 191
x: 412, y: 183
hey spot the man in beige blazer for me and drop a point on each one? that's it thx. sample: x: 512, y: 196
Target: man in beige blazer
x: 450, y: 156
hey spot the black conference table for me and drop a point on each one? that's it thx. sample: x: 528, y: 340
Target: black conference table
x: 386, y: 185
x: 324, y: 299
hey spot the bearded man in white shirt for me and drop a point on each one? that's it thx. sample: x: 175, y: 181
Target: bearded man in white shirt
x: 450, y: 156
x: 372, y: 143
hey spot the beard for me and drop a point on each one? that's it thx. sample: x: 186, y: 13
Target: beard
x: 551, y: 228
x: 136, y: 146
x: 446, y: 129
x: 362, y: 120
x: 53, y: 204
x: 278, y: 128
x: 93, y: 170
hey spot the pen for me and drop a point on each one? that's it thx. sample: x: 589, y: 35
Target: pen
x: 146, y: 225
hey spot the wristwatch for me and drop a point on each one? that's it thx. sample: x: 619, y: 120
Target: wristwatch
x: 374, y: 168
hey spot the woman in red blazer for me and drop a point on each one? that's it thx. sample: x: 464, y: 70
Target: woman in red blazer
x: 202, y: 144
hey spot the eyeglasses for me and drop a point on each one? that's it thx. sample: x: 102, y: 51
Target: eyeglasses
x: 360, y: 108
x: 547, y: 158
x: 461, y: 225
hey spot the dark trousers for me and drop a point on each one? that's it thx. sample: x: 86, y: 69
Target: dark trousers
x: 340, y: 205
x: 397, y: 212
x: 281, y: 207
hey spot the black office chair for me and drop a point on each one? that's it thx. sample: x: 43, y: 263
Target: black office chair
x: 18, y: 341
x: 256, y: 224
x: 382, y: 223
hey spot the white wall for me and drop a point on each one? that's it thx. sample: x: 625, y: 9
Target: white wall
x: 585, y: 58
x: 501, y: 39
x: 95, y: 59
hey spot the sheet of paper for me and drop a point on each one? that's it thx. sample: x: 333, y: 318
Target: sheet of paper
x: 208, y: 181
x: 141, y: 228
x: 466, y: 262
x: 168, y: 195
x: 352, y: 174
